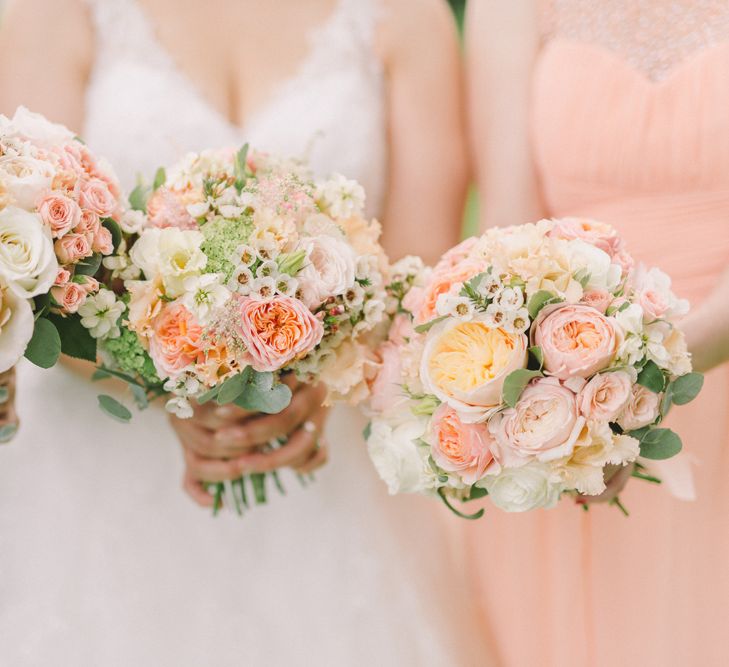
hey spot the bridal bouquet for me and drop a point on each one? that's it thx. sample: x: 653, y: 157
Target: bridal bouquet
x: 527, y: 364
x: 244, y: 268
x: 59, y: 212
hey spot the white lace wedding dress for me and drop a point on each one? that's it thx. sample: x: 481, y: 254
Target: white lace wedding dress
x: 103, y: 561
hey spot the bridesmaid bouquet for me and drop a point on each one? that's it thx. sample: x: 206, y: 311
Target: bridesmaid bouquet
x: 60, y: 209
x: 243, y: 268
x: 527, y: 365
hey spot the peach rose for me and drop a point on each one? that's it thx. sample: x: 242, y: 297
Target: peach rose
x: 72, y: 248
x: 69, y: 297
x: 605, y: 396
x: 440, y: 283
x: 642, y: 409
x: 277, y: 330
x: 576, y: 340
x: 599, y: 299
x: 166, y: 209
x: 103, y: 241
x: 79, y: 159
x: 59, y: 213
x: 175, y: 343
x: 89, y: 284
x: 465, y: 364
x: 62, y: 277
x: 96, y: 196
x: 88, y: 225
x: 599, y: 234
x: 460, y: 447
x: 544, y: 425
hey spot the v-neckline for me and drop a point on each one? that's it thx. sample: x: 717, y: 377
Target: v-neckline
x: 278, y: 89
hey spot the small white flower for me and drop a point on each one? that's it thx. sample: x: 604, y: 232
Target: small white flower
x: 266, y: 248
x: 286, y: 285
x: 132, y: 222
x: 520, y: 321
x: 267, y: 268
x: 245, y: 254
x: 510, y: 299
x: 354, y: 296
x: 179, y: 406
x: 230, y: 211
x: 264, y: 287
x: 341, y: 197
x: 374, y: 309
x: 100, y: 313
x: 199, y: 209
x: 496, y: 316
x: 204, y: 295
x: 241, y: 281
x: 490, y: 286
x: 460, y: 307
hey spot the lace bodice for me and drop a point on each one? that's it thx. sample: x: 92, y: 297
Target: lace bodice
x: 653, y: 36
x: 142, y: 111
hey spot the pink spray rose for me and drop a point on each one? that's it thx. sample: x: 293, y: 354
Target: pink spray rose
x: 576, y: 340
x: 599, y: 299
x: 605, y: 396
x: 642, y: 409
x: 166, y: 209
x: 69, y: 297
x: 59, y: 213
x: 96, y: 196
x: 72, y: 248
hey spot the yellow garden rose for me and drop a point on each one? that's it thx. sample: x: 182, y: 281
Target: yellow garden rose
x: 465, y: 364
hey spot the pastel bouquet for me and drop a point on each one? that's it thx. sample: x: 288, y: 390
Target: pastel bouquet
x: 60, y: 209
x: 528, y: 365
x: 244, y: 268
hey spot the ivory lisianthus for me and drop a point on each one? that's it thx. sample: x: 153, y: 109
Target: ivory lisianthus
x: 576, y: 340
x: 543, y: 425
x: 465, y: 363
x: 28, y: 264
x: 16, y: 328
x: 460, y: 447
x: 277, y: 330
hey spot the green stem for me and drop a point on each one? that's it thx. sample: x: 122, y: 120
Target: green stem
x: 277, y: 482
x: 470, y: 517
x: 647, y: 478
x: 616, y: 501
x: 218, y: 498
x: 258, y: 480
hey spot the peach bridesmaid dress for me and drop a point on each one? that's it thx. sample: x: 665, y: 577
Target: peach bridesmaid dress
x: 631, y: 126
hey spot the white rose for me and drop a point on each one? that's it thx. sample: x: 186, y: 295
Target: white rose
x: 27, y: 261
x: 399, y: 461
x: 526, y: 488
x: 30, y: 125
x: 329, y: 270
x: 592, y: 262
x: 642, y: 409
x: 25, y: 179
x: 16, y: 328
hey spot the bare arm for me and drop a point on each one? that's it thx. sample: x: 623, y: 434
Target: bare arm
x: 46, y: 50
x: 428, y: 164
x: 502, y: 41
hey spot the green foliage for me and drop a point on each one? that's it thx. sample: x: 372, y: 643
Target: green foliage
x: 76, y: 341
x: 515, y: 383
x: 116, y: 232
x: 241, y: 175
x: 262, y: 395
x: 160, y: 178
x: 651, y: 377
x: 425, y: 327
x: 686, y: 388
x: 657, y: 443
x: 222, y: 237
x: 89, y: 266
x: 131, y: 358
x: 114, y: 408
x: 44, y: 347
x: 536, y: 357
x: 538, y: 300
x: 458, y: 513
x: 291, y: 262
x: 138, y: 197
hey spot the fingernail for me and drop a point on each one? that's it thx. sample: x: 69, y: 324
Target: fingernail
x: 225, y: 412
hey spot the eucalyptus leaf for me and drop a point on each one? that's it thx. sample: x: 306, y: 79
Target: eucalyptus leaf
x: 515, y: 383
x: 367, y: 431
x: 7, y: 432
x: 271, y: 401
x: 160, y: 177
x: 208, y: 396
x: 537, y: 356
x: 44, y: 347
x: 89, y: 266
x: 660, y: 443
x: 651, y: 377
x: 232, y: 388
x: 139, y: 395
x: 538, y: 300
x: 685, y: 388
x: 76, y: 341
x: 114, y: 408
x: 138, y: 198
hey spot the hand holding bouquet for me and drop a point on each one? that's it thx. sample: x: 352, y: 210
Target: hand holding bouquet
x: 525, y: 363
x: 245, y: 269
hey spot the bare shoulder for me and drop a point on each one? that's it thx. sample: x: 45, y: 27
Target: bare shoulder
x: 416, y: 28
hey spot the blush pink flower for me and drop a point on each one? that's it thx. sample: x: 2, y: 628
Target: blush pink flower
x: 605, y: 396
x: 72, y: 248
x: 63, y: 276
x: 460, y: 447
x: 175, y: 343
x: 166, y: 209
x: 59, y: 213
x: 440, y: 283
x: 642, y: 409
x: 79, y: 159
x: 88, y: 224
x: 599, y: 234
x: 598, y: 299
x: 386, y: 389
x: 96, y: 196
x: 277, y: 331
x: 456, y: 255
x: 576, y: 340
x: 69, y: 297
x: 103, y: 241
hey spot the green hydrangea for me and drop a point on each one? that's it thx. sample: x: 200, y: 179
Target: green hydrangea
x: 222, y: 237
x: 131, y: 357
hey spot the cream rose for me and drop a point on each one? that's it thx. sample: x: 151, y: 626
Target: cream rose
x: 528, y: 487
x: 576, y: 340
x: 642, y: 409
x: 605, y: 396
x: 27, y: 261
x: 25, y: 179
x: 329, y: 271
x: 465, y: 364
x: 16, y: 328
x: 544, y: 424
x: 30, y: 125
